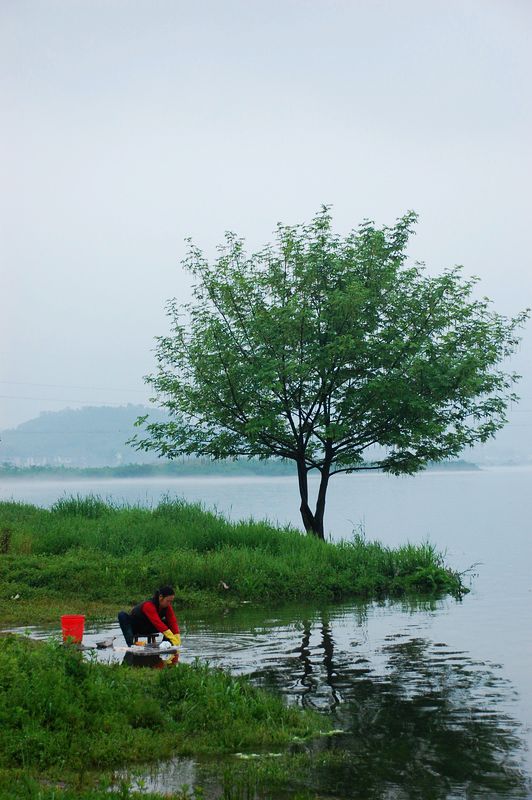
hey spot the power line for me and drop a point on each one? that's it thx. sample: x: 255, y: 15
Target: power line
x: 67, y: 400
x: 61, y: 433
x: 72, y: 386
x: 104, y: 388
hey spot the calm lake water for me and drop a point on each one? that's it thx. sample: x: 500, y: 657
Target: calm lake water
x: 435, y: 701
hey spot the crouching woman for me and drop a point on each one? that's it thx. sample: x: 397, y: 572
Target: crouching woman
x: 151, y: 617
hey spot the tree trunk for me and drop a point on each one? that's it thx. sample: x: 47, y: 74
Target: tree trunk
x: 320, y: 503
x: 313, y: 523
x: 306, y: 514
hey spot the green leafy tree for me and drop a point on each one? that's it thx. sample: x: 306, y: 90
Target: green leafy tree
x: 319, y: 348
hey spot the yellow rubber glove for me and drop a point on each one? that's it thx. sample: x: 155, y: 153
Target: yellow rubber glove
x: 173, y: 638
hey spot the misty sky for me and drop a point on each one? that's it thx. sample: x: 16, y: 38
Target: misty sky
x: 127, y: 126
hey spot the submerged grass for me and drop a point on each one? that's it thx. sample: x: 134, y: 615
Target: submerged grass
x: 85, y: 550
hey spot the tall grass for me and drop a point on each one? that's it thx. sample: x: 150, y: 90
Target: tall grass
x: 89, y: 506
x: 96, y: 550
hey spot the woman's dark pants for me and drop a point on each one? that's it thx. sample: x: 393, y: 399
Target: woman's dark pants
x: 133, y: 627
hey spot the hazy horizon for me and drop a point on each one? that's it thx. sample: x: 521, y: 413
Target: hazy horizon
x: 129, y: 126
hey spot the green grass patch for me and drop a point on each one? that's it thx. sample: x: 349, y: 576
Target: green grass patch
x: 85, y: 552
x: 63, y: 716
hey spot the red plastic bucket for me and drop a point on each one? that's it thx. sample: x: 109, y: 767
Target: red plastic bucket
x: 72, y: 626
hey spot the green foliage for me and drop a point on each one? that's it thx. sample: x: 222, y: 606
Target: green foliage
x: 319, y: 347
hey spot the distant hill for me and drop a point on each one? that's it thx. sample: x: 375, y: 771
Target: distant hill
x: 93, y: 436
x: 92, y: 439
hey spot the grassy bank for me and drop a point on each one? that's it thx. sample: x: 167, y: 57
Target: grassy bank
x: 63, y: 718
x: 86, y: 555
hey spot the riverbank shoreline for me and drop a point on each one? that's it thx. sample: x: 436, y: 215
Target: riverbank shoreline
x: 86, y: 555
x: 201, y: 469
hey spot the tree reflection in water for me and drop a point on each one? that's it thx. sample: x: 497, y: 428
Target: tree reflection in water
x: 427, y: 724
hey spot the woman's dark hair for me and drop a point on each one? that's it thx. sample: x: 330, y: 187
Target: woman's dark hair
x: 163, y: 591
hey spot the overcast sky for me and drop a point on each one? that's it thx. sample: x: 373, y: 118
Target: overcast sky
x: 127, y: 126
